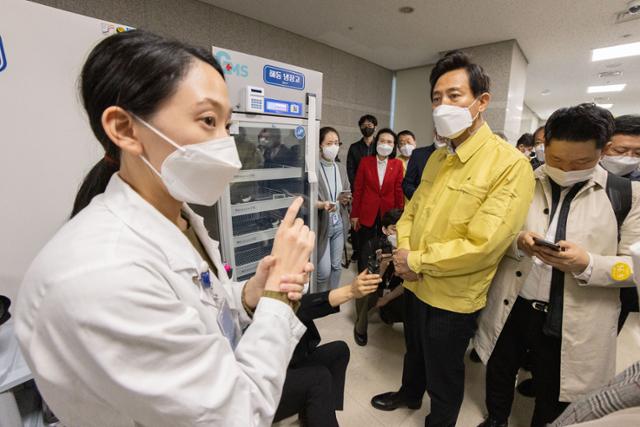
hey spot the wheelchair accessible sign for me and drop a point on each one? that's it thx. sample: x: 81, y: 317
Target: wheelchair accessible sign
x: 276, y: 76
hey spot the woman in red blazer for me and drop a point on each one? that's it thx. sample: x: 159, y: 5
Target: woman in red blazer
x: 371, y: 199
x: 377, y: 189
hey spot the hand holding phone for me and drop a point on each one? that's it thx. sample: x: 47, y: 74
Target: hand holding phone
x: 547, y: 244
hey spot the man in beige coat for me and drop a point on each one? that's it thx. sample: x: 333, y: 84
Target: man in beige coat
x: 562, y: 302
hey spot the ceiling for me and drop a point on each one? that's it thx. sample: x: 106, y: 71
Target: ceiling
x: 555, y: 35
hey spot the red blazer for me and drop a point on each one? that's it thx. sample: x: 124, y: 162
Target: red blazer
x: 369, y: 198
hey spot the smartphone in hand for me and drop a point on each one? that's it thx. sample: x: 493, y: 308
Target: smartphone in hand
x: 547, y: 244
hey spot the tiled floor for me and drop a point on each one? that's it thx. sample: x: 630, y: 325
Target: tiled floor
x: 377, y: 368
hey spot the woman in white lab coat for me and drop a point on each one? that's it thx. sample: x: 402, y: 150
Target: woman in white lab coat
x: 127, y: 317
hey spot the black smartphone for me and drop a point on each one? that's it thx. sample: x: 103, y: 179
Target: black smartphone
x: 373, y: 264
x: 547, y: 244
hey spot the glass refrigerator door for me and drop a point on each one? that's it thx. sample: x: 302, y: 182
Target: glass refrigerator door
x: 273, y: 174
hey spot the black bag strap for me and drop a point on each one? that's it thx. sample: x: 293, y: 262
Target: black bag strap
x: 620, y: 195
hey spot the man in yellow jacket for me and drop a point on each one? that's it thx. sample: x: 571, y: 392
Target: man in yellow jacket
x: 470, y: 205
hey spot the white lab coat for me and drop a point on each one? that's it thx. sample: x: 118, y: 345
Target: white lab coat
x: 118, y: 332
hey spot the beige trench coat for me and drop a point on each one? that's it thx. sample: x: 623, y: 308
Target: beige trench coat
x: 591, y: 309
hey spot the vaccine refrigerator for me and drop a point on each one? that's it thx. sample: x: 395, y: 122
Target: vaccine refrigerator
x: 276, y: 115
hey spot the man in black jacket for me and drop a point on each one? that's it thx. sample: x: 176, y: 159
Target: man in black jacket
x: 363, y: 147
x: 417, y: 162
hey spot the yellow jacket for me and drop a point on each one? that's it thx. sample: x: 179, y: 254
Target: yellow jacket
x: 469, y: 207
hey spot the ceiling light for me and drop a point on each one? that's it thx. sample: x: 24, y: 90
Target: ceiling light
x: 406, y: 9
x: 606, y: 88
x: 619, y: 51
x: 545, y: 92
x: 610, y: 74
x: 607, y: 106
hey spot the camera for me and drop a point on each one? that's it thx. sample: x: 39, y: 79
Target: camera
x: 633, y: 7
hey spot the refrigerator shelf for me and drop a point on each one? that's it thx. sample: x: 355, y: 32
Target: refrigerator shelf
x: 246, y: 271
x: 259, y: 236
x: 251, y: 175
x: 252, y: 253
x: 261, y: 206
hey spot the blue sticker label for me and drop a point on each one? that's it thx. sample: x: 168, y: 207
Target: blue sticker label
x: 283, y: 108
x: 277, y: 76
x: 3, y: 57
x: 300, y: 132
x: 229, y: 67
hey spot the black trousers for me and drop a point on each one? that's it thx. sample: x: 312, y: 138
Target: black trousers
x: 315, y: 387
x: 367, y: 235
x: 436, y: 344
x: 628, y: 304
x: 523, y: 330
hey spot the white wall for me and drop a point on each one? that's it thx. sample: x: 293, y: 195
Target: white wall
x: 530, y: 120
x: 413, y: 103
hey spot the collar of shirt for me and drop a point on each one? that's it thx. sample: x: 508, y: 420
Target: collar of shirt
x: 381, y: 162
x: 471, y: 145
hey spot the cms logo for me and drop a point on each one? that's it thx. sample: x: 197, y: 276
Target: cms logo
x: 3, y: 57
x: 229, y: 67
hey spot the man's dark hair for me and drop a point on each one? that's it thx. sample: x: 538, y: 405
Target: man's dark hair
x: 391, y: 217
x: 479, y: 81
x: 526, y: 140
x: 406, y: 132
x: 627, y: 125
x: 541, y: 128
x: 582, y: 123
x: 367, y: 118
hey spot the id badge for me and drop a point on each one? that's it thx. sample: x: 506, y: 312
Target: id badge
x: 228, y: 325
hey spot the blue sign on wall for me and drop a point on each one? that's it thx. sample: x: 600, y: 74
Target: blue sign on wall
x: 300, y: 132
x: 283, y: 108
x: 277, y: 76
x: 3, y: 57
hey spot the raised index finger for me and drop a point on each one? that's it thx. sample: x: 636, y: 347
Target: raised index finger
x: 292, y: 212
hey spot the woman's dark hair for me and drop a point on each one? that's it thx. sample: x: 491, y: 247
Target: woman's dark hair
x: 391, y: 217
x: 627, y: 125
x: 324, y: 131
x: 479, y: 81
x: 582, y: 123
x: 526, y: 140
x: 367, y: 118
x: 395, y: 141
x: 406, y: 132
x: 136, y: 71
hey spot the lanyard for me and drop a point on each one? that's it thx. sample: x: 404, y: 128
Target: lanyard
x: 334, y: 196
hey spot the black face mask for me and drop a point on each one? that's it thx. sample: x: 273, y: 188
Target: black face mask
x: 367, y: 132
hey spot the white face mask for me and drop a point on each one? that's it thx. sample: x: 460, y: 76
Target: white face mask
x: 438, y: 143
x: 407, y: 150
x: 384, y: 150
x: 330, y: 152
x: 393, y: 240
x: 620, y: 165
x: 540, y: 152
x: 451, y: 121
x: 567, y: 179
x: 197, y: 173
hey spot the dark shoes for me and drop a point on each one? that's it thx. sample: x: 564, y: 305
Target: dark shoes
x: 525, y: 388
x: 393, y: 400
x: 491, y: 422
x: 361, y: 339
